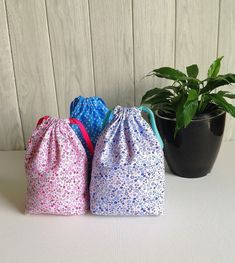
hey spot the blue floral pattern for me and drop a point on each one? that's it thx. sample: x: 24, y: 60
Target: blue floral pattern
x: 128, y: 175
x: 91, y: 112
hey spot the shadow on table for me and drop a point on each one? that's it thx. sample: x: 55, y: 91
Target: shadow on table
x: 168, y: 170
x: 13, y: 191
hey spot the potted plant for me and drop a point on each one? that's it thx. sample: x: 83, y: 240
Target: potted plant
x: 190, y: 115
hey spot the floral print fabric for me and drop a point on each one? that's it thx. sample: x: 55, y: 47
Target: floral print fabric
x: 56, y: 170
x: 91, y: 112
x: 128, y: 168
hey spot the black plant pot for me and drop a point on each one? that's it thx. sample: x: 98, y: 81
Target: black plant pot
x: 194, y: 150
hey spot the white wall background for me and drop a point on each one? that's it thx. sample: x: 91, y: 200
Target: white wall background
x: 54, y: 50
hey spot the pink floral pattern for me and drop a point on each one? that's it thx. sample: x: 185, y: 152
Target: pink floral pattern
x: 56, y: 170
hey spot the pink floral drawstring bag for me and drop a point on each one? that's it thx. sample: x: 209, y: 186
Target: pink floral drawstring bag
x: 57, y: 168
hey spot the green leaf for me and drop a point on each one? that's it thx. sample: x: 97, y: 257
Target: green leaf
x: 193, y: 83
x: 165, y: 107
x: 174, y: 88
x: 221, y: 80
x: 162, y: 96
x: 226, y: 94
x: 156, y: 91
x: 214, y: 68
x: 186, y: 110
x: 150, y: 93
x: 222, y: 103
x: 221, y: 93
x: 169, y: 73
x: 192, y: 70
x: 203, y: 103
x: 230, y: 96
x: 175, y: 101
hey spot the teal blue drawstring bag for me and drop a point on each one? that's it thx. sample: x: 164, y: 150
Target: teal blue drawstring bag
x: 91, y: 112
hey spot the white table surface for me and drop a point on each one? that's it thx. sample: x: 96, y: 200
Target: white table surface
x: 198, y: 225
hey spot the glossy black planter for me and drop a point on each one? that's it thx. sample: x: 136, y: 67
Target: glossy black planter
x: 194, y: 150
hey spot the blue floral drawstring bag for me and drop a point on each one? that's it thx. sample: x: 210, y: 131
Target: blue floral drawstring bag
x: 128, y: 175
x: 91, y: 112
